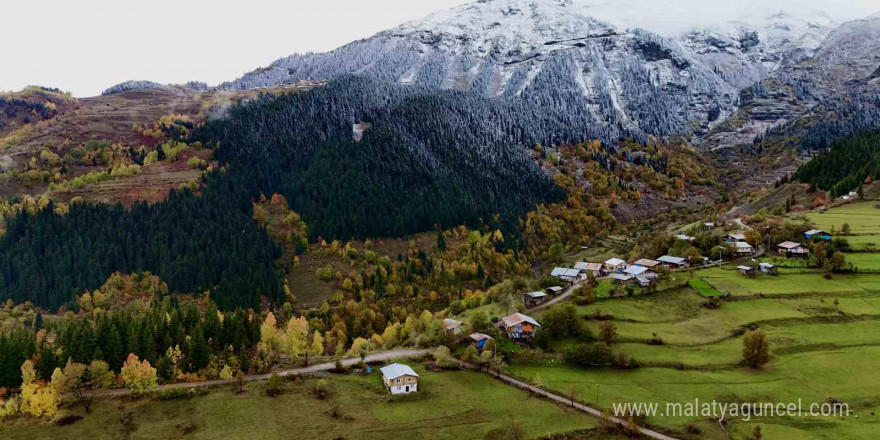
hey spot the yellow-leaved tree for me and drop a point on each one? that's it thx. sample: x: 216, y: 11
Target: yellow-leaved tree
x: 37, y: 400
x: 138, y: 375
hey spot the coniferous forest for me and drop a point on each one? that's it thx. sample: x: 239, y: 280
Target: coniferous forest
x: 845, y: 166
x: 195, y: 242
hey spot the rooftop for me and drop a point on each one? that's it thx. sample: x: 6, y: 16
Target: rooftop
x: 394, y: 371
x: 519, y: 318
x: 671, y: 259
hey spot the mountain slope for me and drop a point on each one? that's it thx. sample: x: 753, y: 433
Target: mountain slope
x: 633, y: 82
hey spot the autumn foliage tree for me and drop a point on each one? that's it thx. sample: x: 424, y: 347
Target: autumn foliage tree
x: 138, y: 375
x: 756, y: 348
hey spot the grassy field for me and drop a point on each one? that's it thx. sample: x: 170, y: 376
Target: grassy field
x: 819, y: 351
x: 450, y: 405
x: 862, y: 217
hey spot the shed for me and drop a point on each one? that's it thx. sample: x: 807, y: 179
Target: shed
x: 768, y: 268
x: 555, y: 290
x: 746, y: 270
x: 534, y: 298
x: 452, y: 326
x: 479, y: 340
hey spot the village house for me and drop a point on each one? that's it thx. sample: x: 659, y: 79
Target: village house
x: 743, y: 248
x: 479, y: 340
x: 671, y: 262
x: 452, y: 327
x: 400, y: 379
x: 518, y: 327
x: 640, y: 272
x: 684, y: 237
x: 647, y: 262
x: 622, y: 279
x: 532, y: 299
x: 734, y: 238
x: 595, y: 268
x: 792, y: 249
x: 768, y: 268
x: 746, y: 270
x: 615, y: 265
x: 566, y: 274
x: 817, y: 234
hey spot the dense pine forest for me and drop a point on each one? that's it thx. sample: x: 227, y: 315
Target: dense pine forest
x: 194, y: 242
x: 845, y: 166
x: 428, y: 158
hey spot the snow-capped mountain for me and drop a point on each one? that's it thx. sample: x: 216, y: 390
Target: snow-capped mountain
x: 554, y: 51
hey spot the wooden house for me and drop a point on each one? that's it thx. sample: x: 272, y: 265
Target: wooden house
x: 400, y: 379
x: 518, y: 327
x: 555, y: 290
x: 532, y: 299
x: 792, y: 249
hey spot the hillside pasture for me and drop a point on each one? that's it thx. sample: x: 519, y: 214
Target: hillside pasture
x: 450, y: 405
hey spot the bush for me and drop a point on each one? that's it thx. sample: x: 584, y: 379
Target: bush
x: 587, y: 355
x: 176, y: 393
x: 275, y: 386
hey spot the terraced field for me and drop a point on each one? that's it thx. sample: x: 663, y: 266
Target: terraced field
x: 862, y: 217
x: 819, y: 352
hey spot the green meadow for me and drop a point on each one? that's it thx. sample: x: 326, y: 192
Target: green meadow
x: 819, y: 352
x: 450, y: 405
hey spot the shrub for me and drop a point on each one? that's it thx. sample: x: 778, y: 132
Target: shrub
x: 176, y: 393
x: 275, y: 386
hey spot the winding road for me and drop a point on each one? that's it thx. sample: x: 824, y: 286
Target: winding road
x: 565, y: 401
x: 381, y: 356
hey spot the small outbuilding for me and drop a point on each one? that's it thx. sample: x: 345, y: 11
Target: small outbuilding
x: 684, y: 237
x: 479, y: 340
x: 555, y: 290
x: 400, y: 379
x: 622, y: 279
x: 532, y: 299
x: 452, y: 327
x: 768, y: 268
x: 817, y: 234
x: 748, y: 271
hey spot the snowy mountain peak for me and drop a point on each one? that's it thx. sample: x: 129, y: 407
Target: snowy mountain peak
x: 508, y: 22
